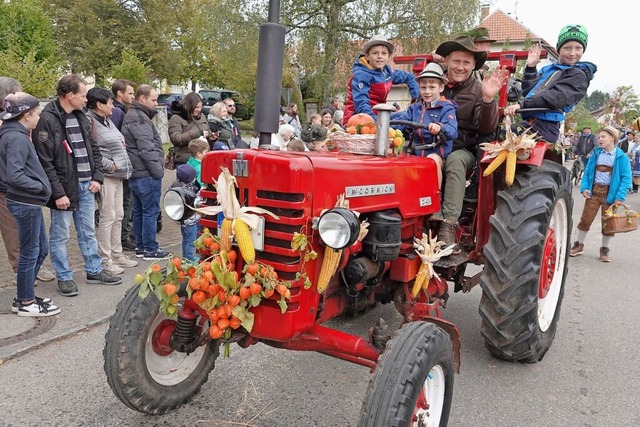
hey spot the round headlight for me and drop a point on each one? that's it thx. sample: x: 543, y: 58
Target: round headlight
x: 338, y: 228
x: 177, y: 201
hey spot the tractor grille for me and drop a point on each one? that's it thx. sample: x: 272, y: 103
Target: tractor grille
x: 285, y: 197
x: 289, y: 207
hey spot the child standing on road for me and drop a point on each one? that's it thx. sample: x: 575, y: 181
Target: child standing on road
x: 28, y: 189
x: 606, y: 179
x: 557, y: 86
x: 197, y: 148
x: 186, y: 176
x: 372, y: 79
x: 435, y: 111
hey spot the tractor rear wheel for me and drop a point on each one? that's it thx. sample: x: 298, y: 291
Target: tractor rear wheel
x: 144, y: 374
x: 413, y: 382
x: 526, y: 263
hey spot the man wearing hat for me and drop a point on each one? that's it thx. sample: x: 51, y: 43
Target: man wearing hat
x: 372, y: 79
x: 435, y: 112
x: 477, y: 116
x: 28, y: 189
x: 556, y: 87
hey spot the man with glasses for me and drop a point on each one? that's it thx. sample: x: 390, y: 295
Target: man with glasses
x: 236, y: 140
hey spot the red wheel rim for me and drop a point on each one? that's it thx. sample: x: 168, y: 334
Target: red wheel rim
x: 548, y: 264
x: 161, y: 337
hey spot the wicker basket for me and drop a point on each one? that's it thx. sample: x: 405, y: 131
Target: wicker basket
x: 619, y: 223
x: 357, y: 144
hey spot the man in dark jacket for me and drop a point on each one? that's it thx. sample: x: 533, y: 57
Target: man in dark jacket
x: 237, y: 140
x: 477, y: 114
x: 144, y: 147
x: 123, y: 97
x: 585, y: 145
x: 73, y: 164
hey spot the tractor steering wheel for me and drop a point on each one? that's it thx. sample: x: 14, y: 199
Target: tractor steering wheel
x: 439, y: 139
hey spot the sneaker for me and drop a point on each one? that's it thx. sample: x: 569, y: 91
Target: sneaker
x: 103, y: 278
x: 67, y: 288
x: 16, y: 304
x: 128, y: 245
x: 111, y: 267
x: 124, y: 261
x: 604, y: 254
x: 38, y: 309
x: 157, y: 255
x: 139, y: 252
x: 576, y: 249
x: 45, y: 275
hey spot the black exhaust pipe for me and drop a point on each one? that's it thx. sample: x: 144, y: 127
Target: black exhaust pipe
x: 269, y: 80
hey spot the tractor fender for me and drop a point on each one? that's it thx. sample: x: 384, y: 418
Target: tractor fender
x: 454, y: 334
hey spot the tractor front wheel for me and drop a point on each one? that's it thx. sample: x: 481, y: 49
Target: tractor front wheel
x: 413, y: 382
x: 142, y: 369
x: 526, y: 263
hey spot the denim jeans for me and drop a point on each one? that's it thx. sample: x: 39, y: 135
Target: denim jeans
x: 189, y: 236
x: 84, y: 221
x: 33, y: 246
x: 145, y: 193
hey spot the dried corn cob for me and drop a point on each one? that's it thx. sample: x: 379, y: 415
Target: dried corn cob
x: 243, y: 237
x: 329, y: 267
x: 495, y: 163
x: 226, y: 234
x: 511, y: 168
x: 422, y: 279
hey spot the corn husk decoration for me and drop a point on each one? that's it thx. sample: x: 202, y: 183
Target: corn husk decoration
x: 430, y: 250
x: 237, y: 220
x: 332, y: 257
x: 508, y: 151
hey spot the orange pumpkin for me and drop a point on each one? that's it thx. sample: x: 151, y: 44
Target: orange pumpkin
x: 351, y: 130
x: 360, y: 119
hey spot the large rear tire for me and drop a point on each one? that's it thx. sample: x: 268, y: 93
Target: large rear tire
x: 526, y: 263
x: 413, y: 382
x: 141, y: 376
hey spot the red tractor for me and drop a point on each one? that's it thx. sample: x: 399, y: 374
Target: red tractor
x: 520, y: 233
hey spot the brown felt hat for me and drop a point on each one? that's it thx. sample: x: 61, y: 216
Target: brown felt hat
x: 464, y: 43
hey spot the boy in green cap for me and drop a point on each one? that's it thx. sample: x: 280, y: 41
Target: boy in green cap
x: 558, y: 86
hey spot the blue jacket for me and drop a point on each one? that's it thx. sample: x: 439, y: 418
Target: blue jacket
x: 620, y: 176
x: 443, y: 113
x: 557, y: 87
x: 370, y: 86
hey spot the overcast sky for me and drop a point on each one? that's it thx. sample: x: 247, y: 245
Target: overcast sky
x: 614, y: 34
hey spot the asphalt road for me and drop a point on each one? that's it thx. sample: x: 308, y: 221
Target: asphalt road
x: 589, y: 377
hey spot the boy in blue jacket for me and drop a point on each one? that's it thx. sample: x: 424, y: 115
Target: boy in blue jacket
x: 435, y: 111
x: 372, y: 79
x: 606, y: 180
x: 558, y: 86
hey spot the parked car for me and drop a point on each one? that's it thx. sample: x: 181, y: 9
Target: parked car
x: 167, y: 98
x: 211, y: 96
